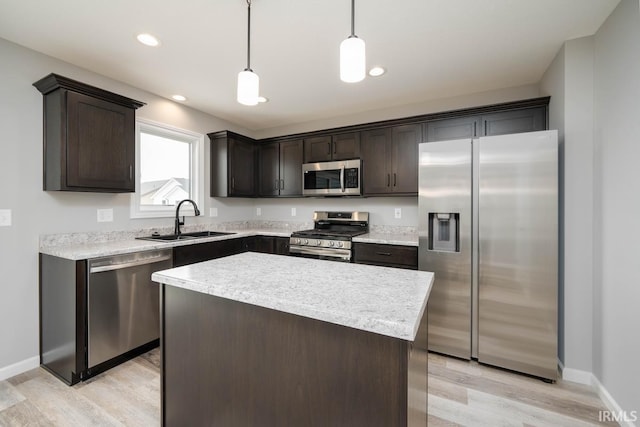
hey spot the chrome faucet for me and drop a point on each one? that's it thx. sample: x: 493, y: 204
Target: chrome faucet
x: 178, y: 223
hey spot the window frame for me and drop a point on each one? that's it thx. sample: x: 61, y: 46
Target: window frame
x: 196, y: 180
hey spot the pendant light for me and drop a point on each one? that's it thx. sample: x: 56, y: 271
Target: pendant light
x: 352, y: 54
x: 248, y: 81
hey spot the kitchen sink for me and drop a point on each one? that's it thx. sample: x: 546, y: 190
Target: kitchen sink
x: 184, y: 236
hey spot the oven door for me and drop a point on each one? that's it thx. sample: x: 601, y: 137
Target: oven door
x: 332, y: 254
x: 340, y: 178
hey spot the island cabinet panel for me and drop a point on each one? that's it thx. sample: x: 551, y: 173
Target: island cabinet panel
x: 89, y: 137
x: 227, y: 363
x: 386, y: 255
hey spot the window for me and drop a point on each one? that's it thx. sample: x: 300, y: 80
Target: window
x: 169, y: 168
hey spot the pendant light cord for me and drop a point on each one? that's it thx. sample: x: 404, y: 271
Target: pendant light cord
x: 249, y: 35
x: 353, y: 18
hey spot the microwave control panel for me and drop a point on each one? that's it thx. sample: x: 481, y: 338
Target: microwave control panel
x: 351, y: 178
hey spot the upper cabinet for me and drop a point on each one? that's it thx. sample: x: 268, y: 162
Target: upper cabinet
x: 89, y: 137
x: 342, y: 146
x: 490, y: 124
x: 233, y: 165
x: 390, y: 160
x: 280, y: 169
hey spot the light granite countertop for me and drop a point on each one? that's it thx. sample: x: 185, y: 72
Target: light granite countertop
x: 382, y: 300
x: 78, y: 251
x: 77, y: 246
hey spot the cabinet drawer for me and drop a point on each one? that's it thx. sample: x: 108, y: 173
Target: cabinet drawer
x: 386, y: 255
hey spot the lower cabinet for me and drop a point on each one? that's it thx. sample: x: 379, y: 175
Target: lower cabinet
x: 269, y: 245
x: 190, y: 254
x: 386, y: 255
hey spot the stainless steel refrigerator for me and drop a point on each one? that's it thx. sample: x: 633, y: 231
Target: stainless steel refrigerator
x: 488, y: 223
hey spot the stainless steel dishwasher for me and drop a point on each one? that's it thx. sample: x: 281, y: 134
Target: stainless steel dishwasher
x: 123, y: 303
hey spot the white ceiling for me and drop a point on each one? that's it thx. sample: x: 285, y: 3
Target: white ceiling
x: 431, y: 48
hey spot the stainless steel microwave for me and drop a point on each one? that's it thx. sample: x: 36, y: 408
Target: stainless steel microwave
x: 340, y: 178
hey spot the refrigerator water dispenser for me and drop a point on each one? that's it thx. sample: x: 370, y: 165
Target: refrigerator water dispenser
x: 444, y: 232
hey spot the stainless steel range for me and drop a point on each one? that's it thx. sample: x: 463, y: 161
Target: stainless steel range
x: 331, y: 236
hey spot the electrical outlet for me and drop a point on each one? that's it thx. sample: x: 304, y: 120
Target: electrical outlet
x: 213, y: 211
x: 258, y: 211
x: 293, y: 212
x: 105, y: 215
x: 397, y: 213
x: 5, y: 217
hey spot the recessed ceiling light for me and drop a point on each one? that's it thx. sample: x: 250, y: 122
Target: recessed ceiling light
x: 179, y: 98
x: 377, y: 71
x: 262, y: 99
x: 148, y: 39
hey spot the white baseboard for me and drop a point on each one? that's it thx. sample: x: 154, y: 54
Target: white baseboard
x: 20, y: 367
x: 587, y: 378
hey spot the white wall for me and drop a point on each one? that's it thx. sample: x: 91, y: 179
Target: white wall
x: 617, y: 205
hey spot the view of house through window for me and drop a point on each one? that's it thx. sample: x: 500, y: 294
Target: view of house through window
x: 168, y: 169
x: 165, y: 165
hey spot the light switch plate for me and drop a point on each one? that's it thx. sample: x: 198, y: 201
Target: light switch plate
x: 258, y: 211
x: 293, y: 212
x: 213, y: 211
x: 397, y: 213
x: 105, y: 215
x: 5, y: 217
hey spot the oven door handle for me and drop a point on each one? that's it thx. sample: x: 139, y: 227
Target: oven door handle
x: 342, y: 178
x: 333, y: 253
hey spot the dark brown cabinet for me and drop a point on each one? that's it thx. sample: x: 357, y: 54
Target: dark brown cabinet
x: 342, y: 146
x: 269, y: 245
x: 497, y: 123
x: 89, y: 137
x: 190, y: 254
x: 280, y: 169
x: 390, y: 160
x: 233, y: 165
x: 386, y: 255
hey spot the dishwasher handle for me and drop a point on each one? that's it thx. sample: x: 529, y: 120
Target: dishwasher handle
x: 134, y: 263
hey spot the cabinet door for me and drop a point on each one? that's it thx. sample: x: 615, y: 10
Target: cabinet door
x: 101, y: 144
x: 269, y: 174
x: 517, y: 121
x: 376, y: 153
x: 317, y: 149
x: 448, y: 129
x: 291, y: 168
x: 404, y: 158
x: 241, y: 168
x: 190, y: 254
x: 346, y: 146
x: 386, y: 255
x: 282, y: 246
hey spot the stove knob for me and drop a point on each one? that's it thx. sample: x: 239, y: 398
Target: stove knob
x: 295, y: 241
x: 306, y: 241
x: 331, y: 244
x: 318, y: 242
x: 340, y: 244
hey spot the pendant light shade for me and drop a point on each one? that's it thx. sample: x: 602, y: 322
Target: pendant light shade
x: 248, y: 87
x: 248, y: 81
x: 352, y: 60
x: 352, y: 54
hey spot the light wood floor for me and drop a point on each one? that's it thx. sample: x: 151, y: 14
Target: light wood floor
x: 460, y: 393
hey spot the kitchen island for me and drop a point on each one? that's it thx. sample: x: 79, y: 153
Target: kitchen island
x: 257, y: 339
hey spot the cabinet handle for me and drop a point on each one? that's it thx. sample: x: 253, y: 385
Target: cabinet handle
x: 233, y: 183
x: 394, y: 179
x: 334, y: 147
x: 475, y: 133
x: 485, y: 128
x: 388, y: 180
x: 276, y: 187
x: 130, y: 172
x: 328, y: 148
x: 282, y: 184
x: 383, y: 253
